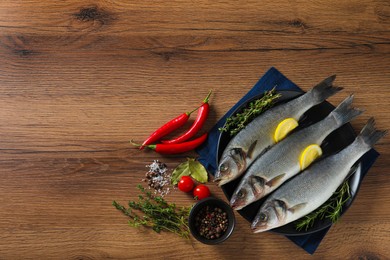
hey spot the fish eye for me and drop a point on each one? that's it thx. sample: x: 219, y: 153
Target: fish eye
x: 263, y: 217
x: 224, y: 168
x: 241, y: 194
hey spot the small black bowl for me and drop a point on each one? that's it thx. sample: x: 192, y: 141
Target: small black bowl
x: 211, y: 201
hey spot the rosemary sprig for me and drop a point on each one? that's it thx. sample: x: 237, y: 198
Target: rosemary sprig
x: 156, y: 214
x: 237, y: 122
x: 330, y: 209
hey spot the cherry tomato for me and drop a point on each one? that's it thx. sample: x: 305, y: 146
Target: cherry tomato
x: 201, y: 191
x: 186, y: 184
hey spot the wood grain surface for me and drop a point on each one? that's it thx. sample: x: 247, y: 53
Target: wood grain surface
x: 79, y: 79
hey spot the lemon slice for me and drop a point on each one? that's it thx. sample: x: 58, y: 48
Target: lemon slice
x: 308, y: 155
x: 284, y: 127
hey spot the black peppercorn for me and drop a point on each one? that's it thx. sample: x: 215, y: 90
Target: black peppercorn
x: 211, y: 222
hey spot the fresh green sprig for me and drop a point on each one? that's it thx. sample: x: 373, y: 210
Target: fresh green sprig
x: 331, y: 209
x: 341, y: 197
x: 156, y: 213
x: 237, y: 122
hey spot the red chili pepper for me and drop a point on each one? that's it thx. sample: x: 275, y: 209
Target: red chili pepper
x: 177, y: 148
x: 196, y: 126
x: 167, y: 128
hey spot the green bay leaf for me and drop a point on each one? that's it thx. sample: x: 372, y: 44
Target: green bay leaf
x: 182, y: 169
x: 198, y: 172
x: 192, y: 168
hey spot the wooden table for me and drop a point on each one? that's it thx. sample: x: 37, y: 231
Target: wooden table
x: 79, y: 79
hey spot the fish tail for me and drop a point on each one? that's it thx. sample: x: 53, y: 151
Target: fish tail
x: 369, y: 134
x: 344, y: 113
x: 325, y: 89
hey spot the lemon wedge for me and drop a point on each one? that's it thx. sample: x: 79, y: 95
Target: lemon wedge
x: 284, y: 127
x: 308, y: 155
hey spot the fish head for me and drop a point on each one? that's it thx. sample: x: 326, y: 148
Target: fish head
x: 248, y: 191
x: 231, y: 166
x: 242, y: 196
x: 271, y: 215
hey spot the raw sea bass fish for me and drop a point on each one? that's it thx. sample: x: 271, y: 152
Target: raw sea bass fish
x: 281, y: 162
x: 257, y: 136
x: 314, y: 186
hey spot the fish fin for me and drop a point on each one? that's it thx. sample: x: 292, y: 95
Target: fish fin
x: 352, y: 170
x: 297, y: 207
x: 325, y: 89
x: 369, y: 134
x: 344, y: 113
x: 275, y: 180
x: 264, y: 151
x: 251, y: 149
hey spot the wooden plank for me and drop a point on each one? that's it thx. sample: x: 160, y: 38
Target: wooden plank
x: 78, y: 80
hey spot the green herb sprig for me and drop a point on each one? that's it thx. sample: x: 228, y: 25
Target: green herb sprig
x: 237, y: 122
x: 330, y: 209
x: 158, y: 214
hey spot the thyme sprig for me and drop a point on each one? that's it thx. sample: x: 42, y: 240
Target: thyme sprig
x: 331, y: 209
x: 156, y: 213
x: 237, y: 122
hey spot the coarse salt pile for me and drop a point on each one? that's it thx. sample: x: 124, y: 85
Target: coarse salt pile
x: 158, y: 178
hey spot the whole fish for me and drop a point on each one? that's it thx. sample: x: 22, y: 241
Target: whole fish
x: 281, y: 162
x: 313, y: 187
x: 257, y: 136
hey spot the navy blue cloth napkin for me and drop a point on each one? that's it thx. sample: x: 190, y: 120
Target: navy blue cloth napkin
x: 208, y: 151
